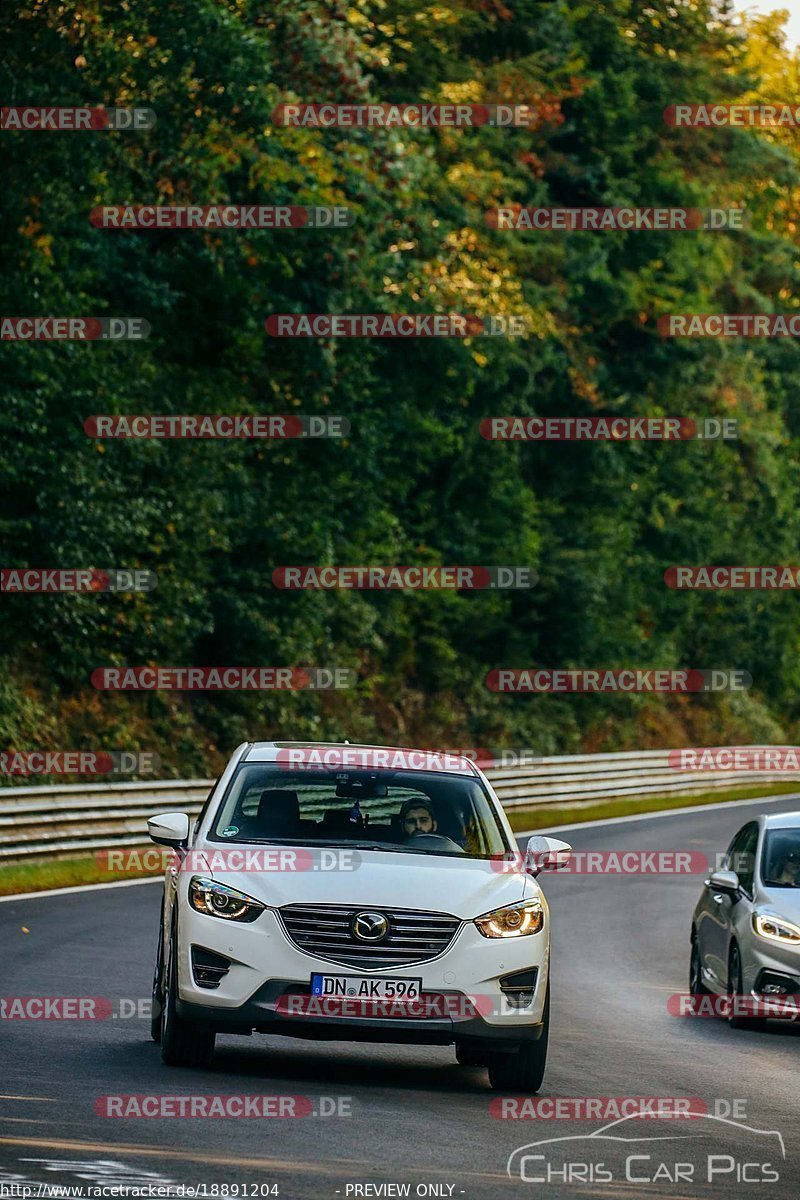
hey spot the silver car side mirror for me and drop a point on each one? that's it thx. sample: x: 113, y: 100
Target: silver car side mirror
x: 723, y: 881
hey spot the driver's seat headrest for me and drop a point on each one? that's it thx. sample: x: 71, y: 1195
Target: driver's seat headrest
x: 278, y: 810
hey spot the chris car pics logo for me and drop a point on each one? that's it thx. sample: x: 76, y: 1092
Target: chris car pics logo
x: 640, y: 1150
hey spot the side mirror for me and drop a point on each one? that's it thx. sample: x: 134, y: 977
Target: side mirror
x: 723, y: 881
x: 546, y: 854
x: 169, y: 829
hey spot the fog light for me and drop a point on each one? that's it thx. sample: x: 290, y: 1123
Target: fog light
x: 208, y: 968
x: 773, y: 983
x: 518, y: 988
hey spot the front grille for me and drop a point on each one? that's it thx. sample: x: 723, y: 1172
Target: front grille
x: 324, y: 931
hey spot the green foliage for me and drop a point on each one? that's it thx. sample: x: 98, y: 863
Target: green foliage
x: 414, y: 482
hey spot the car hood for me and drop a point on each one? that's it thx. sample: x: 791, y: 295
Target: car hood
x: 784, y: 902
x: 465, y: 888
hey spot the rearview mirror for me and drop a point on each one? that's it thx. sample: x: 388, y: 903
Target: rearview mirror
x: 546, y: 854
x: 169, y: 829
x: 724, y: 881
x: 360, y: 789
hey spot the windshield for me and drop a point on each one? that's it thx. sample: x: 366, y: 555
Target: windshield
x: 780, y: 864
x: 416, y: 812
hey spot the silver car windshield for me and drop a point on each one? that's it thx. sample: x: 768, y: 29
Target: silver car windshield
x: 416, y: 812
x: 780, y: 863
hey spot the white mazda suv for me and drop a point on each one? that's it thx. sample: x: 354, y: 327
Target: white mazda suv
x: 361, y: 893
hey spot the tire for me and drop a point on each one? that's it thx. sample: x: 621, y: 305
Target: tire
x: 696, y: 985
x: 183, y: 1044
x: 158, y: 984
x: 523, y: 1071
x: 736, y: 988
x: 470, y: 1056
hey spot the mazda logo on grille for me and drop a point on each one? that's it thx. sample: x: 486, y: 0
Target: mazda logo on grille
x: 370, y: 926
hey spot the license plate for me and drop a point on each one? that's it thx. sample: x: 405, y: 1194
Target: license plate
x: 356, y: 986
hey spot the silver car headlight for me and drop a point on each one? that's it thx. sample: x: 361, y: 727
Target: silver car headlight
x: 216, y: 900
x: 513, y: 920
x: 776, y: 929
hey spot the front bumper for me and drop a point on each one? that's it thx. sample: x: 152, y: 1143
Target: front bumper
x: 270, y: 1011
x: 764, y: 960
x: 267, y: 987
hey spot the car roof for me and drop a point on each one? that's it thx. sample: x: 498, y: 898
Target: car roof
x: 357, y: 754
x: 790, y: 820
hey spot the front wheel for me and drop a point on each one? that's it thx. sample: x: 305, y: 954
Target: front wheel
x: 523, y: 1071
x: 183, y: 1044
x: 157, y: 1002
x: 469, y: 1056
x: 696, y: 985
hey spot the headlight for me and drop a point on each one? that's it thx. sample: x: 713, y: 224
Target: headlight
x: 515, y: 920
x: 216, y: 900
x: 776, y: 928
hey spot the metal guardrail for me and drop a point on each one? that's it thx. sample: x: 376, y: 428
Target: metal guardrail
x: 40, y: 822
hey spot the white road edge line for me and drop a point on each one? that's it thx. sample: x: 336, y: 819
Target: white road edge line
x: 665, y: 812
x: 84, y: 887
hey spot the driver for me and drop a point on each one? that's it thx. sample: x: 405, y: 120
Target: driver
x: 417, y: 816
x: 789, y: 870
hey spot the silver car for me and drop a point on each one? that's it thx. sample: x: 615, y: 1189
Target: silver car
x: 746, y: 926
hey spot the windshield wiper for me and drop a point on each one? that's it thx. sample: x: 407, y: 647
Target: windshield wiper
x: 342, y: 843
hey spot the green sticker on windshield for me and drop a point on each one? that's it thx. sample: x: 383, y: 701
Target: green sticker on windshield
x: 230, y: 831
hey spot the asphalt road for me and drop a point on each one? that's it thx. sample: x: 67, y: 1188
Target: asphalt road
x: 402, y: 1115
